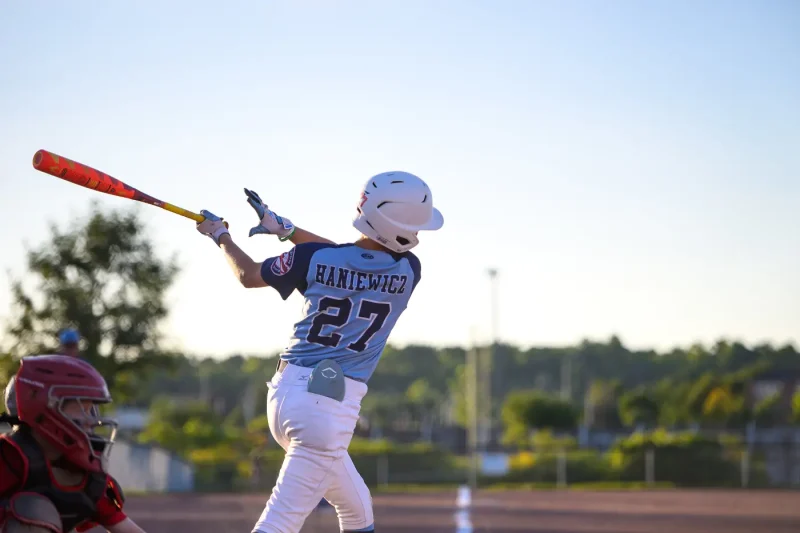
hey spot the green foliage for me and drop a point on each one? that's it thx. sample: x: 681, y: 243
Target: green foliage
x: 7, y: 368
x: 671, y: 394
x: 421, y: 393
x: 184, y: 428
x: 400, y: 368
x: 604, y: 377
x: 524, y: 411
x: 542, y: 467
x: 545, y: 441
x: 515, y: 419
x: 383, y: 409
x: 406, y: 463
x: 720, y: 405
x: 603, y: 404
x: 680, y: 459
x: 639, y: 407
x: 223, y: 450
x: 216, y: 467
x: 768, y: 411
x: 696, y: 399
x: 796, y: 407
x: 102, y: 276
x: 672, y: 388
x: 685, y: 459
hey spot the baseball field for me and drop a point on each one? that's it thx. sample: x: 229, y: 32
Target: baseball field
x: 667, y: 511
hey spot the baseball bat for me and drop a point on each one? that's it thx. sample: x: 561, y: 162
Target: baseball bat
x: 88, y: 177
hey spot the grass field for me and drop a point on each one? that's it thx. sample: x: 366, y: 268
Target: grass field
x: 658, y: 511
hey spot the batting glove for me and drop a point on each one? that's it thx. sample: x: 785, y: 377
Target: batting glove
x: 213, y: 226
x: 271, y: 224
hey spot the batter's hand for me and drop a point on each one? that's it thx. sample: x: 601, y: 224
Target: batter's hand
x: 213, y: 226
x: 271, y: 223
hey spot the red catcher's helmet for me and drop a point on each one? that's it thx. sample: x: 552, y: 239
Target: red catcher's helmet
x: 37, y: 394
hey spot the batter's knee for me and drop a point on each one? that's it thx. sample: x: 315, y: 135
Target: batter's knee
x: 358, y: 518
x: 351, y: 498
x: 28, y: 512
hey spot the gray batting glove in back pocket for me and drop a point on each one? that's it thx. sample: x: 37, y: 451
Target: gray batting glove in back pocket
x: 327, y: 379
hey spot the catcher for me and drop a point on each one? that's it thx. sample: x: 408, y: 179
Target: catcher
x: 53, y: 475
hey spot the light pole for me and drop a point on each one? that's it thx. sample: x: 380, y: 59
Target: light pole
x: 472, y: 409
x: 493, y: 279
x: 491, y: 354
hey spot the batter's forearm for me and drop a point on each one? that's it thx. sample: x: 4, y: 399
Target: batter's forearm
x: 247, y: 271
x: 302, y: 236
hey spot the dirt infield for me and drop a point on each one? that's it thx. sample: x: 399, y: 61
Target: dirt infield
x: 502, y: 512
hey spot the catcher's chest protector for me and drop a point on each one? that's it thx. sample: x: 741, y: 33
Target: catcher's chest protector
x: 74, y: 506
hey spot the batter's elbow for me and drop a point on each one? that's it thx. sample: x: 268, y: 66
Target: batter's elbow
x: 250, y: 278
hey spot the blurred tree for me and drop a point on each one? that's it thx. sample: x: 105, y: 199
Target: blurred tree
x: 183, y: 428
x: 459, y: 406
x: 7, y: 368
x: 524, y: 411
x: 234, y: 421
x: 103, y: 277
x: 768, y: 411
x: 424, y: 402
x: 544, y: 440
x: 516, y: 431
x: 164, y: 426
x: 796, y: 407
x: 256, y: 434
x: 698, y: 394
x: 670, y: 395
x: 383, y: 410
x: 720, y: 405
x: 677, y: 382
x: 603, y: 410
x: 638, y: 407
x: 552, y: 413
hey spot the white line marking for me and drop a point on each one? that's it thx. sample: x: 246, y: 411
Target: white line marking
x: 463, y: 504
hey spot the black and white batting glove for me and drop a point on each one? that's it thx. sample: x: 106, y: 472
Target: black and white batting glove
x: 213, y: 226
x: 270, y: 223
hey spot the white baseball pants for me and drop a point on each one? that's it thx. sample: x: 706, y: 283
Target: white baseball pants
x: 315, y: 431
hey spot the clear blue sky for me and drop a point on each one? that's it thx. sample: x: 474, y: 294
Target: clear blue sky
x: 630, y: 167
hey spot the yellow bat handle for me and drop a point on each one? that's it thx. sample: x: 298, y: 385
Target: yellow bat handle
x: 183, y: 212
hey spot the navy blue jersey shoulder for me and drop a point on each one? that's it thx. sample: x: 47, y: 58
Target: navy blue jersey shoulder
x: 288, y: 271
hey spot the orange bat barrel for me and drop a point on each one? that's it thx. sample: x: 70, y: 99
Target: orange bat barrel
x: 79, y: 174
x: 88, y: 177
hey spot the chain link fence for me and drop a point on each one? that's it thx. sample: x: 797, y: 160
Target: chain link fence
x: 725, y: 467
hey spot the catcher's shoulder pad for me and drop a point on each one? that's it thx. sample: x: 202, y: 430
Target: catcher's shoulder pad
x: 12, y: 459
x: 114, y: 493
x: 32, y: 512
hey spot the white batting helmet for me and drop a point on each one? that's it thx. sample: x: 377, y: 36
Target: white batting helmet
x: 394, y: 206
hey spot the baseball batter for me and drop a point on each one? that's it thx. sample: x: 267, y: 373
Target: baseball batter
x: 354, y: 293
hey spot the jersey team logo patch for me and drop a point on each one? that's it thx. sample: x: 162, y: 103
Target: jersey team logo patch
x: 283, y: 264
